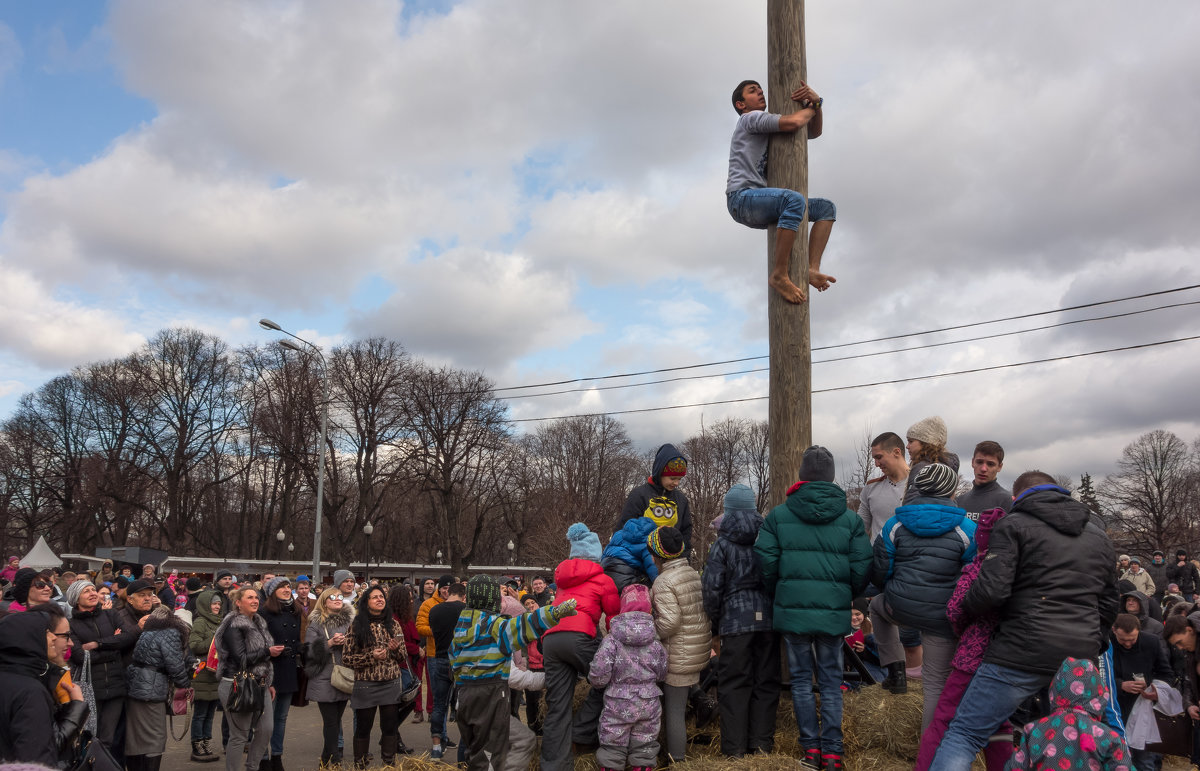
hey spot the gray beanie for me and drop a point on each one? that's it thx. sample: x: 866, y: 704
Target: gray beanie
x: 341, y: 575
x: 931, y: 430
x: 74, y: 590
x: 817, y: 465
x: 937, y: 480
x: 276, y: 582
x: 740, y: 498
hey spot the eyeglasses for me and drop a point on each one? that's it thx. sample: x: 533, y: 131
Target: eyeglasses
x: 61, y: 635
x: 40, y: 584
x: 334, y: 598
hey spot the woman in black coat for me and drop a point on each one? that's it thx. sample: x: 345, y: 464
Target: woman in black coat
x: 98, y: 639
x: 282, y: 615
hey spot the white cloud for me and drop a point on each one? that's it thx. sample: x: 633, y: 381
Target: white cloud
x: 54, y: 333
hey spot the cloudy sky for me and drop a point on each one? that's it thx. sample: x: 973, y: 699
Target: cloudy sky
x: 535, y: 189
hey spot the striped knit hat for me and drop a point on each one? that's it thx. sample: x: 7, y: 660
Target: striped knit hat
x: 937, y: 480
x: 483, y: 593
x: 666, y: 542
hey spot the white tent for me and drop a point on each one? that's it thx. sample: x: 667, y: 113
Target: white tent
x: 41, y: 556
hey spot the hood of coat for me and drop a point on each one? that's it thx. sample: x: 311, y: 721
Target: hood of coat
x: 665, y: 455
x: 204, y: 602
x: 1143, y: 611
x: 23, y: 644
x: 573, y: 572
x: 336, y: 620
x: 817, y: 503
x: 930, y: 519
x: 983, y: 529
x: 1078, y: 686
x: 1054, y: 506
x: 741, y: 526
x: 634, y: 628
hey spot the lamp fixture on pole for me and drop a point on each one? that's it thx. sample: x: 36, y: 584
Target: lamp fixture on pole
x: 314, y: 348
x: 367, y: 530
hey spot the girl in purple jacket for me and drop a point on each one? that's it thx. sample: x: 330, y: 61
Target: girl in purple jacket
x: 629, y: 665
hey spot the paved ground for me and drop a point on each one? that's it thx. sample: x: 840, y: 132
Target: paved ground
x: 302, y: 745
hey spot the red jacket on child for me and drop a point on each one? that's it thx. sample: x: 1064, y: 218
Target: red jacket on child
x: 594, y: 593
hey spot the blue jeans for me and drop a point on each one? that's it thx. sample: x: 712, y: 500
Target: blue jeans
x: 990, y: 699
x: 203, y: 712
x: 283, y: 703
x: 820, y: 654
x: 439, y: 679
x: 761, y: 207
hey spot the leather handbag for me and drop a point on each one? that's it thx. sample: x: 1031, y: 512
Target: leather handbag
x: 92, y: 755
x: 342, y: 676
x: 1176, y: 735
x: 413, y: 689
x: 180, y: 702
x: 246, y: 693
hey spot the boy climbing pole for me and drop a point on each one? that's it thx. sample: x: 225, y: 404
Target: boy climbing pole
x: 755, y: 205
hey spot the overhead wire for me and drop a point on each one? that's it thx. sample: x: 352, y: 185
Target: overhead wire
x: 914, y: 378
x: 856, y: 342
x: 857, y: 355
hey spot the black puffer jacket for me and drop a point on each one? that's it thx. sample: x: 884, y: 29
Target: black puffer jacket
x: 284, y: 627
x: 32, y: 730
x: 1049, y: 574
x: 1186, y: 576
x: 652, y: 500
x: 159, y: 659
x: 108, y: 670
x: 735, y: 597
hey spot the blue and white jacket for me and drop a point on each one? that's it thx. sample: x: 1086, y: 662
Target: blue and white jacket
x: 918, y: 558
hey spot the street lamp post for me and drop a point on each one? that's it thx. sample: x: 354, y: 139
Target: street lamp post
x: 271, y: 325
x: 511, y: 546
x: 367, y: 530
x: 279, y: 537
x: 439, y: 557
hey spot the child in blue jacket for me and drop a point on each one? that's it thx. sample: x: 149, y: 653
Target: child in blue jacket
x: 627, y: 559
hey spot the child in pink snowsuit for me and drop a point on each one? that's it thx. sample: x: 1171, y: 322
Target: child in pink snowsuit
x: 629, y: 664
x: 975, y: 634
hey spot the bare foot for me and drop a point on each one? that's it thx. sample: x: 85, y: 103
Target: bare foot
x: 821, y: 280
x: 785, y: 287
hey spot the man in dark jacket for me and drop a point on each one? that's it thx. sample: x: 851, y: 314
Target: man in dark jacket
x: 1139, y: 658
x: 1049, y: 575
x: 815, y: 555
x: 917, y: 561
x: 1184, y: 573
x: 660, y: 499
x: 1158, y: 572
x: 736, y: 601
x: 32, y: 730
x: 139, y: 599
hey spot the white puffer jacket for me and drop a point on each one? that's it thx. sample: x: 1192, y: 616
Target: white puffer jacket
x: 680, y: 621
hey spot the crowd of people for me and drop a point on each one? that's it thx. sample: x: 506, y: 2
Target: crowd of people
x: 1035, y: 643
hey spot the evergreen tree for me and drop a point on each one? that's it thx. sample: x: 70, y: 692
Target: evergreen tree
x: 1087, y: 493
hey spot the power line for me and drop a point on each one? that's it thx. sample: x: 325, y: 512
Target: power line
x: 870, y: 385
x: 846, y: 345
x: 857, y: 355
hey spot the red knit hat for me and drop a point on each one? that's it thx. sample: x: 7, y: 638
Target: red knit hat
x: 676, y: 467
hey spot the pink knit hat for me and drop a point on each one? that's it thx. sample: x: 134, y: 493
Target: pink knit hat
x: 635, y: 597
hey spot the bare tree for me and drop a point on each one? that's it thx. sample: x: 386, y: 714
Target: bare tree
x: 757, y: 453
x: 458, y: 427
x: 1153, y: 495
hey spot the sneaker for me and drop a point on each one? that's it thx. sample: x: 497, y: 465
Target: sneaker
x: 437, y: 752
x: 449, y: 744
x: 831, y: 762
x: 811, y: 760
x: 418, y: 717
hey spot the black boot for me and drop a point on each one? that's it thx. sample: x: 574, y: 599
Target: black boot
x: 387, y: 749
x: 361, y: 746
x: 151, y: 763
x: 897, y: 679
x: 276, y: 763
x: 135, y: 762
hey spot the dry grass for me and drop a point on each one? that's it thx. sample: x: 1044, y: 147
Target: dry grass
x: 881, y: 734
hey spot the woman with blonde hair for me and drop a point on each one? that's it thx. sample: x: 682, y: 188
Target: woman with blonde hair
x: 326, y: 635
x: 244, y: 643
x: 926, y: 444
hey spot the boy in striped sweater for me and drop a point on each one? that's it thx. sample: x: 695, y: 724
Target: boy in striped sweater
x: 480, y: 656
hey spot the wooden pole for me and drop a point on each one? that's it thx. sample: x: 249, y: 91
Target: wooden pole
x: 790, y: 411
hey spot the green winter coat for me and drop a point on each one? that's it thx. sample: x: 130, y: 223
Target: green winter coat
x: 815, y: 555
x: 204, y: 626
